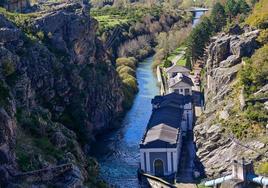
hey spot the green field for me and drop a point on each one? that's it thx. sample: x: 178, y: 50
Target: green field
x: 110, y: 17
x: 182, y: 61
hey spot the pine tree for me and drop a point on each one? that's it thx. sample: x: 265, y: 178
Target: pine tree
x: 198, y: 39
x: 243, y: 7
x: 231, y: 9
x: 218, y: 17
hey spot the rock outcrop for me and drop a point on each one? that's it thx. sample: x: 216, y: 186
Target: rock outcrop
x: 217, y: 148
x: 224, y: 61
x: 57, y: 87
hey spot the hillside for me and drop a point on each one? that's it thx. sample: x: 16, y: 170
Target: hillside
x: 58, y: 89
x: 234, y: 123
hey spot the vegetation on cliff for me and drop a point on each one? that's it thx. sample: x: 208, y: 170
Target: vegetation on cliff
x: 222, y: 16
x: 47, y: 97
x: 126, y: 68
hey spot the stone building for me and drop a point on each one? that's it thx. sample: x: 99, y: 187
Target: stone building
x: 180, y: 84
x: 161, y: 144
x: 175, y: 69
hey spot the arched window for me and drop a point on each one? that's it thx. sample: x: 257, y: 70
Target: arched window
x: 159, y: 167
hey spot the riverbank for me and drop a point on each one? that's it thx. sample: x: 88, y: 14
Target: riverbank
x: 117, y: 152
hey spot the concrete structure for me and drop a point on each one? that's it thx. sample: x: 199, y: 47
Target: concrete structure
x: 175, y: 69
x: 180, y: 84
x: 242, y: 176
x: 160, y: 148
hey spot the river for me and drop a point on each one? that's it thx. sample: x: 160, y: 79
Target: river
x: 118, y: 151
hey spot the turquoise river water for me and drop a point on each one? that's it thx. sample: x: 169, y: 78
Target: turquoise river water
x: 118, y: 151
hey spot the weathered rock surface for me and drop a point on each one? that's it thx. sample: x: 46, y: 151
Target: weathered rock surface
x: 56, y: 90
x: 224, y: 61
x: 216, y: 148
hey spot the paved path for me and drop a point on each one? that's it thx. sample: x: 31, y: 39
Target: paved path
x: 197, y: 95
x: 178, y: 57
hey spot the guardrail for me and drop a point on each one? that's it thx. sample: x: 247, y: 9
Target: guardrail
x: 155, y: 179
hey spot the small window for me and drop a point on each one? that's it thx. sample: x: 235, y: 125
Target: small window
x: 177, y: 91
x: 187, y: 91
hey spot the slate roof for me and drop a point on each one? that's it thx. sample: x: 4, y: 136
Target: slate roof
x: 180, y: 78
x: 163, y: 128
x: 162, y: 132
x: 177, y: 68
x: 171, y: 98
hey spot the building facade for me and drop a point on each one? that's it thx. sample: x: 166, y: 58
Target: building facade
x: 180, y: 84
x: 175, y: 69
x: 161, y: 144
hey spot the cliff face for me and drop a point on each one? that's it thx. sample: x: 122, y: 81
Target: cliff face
x: 217, y: 147
x: 57, y: 90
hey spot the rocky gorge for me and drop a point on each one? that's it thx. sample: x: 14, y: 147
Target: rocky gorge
x: 58, y: 89
x: 217, y: 146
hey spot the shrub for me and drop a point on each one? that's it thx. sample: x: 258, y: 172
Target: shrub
x: 256, y: 113
x: 125, y: 75
x: 126, y: 70
x: 8, y: 67
x: 263, y: 168
x: 167, y: 63
x: 254, y: 74
x: 263, y: 37
x: 125, y: 61
x: 131, y: 82
x: 47, y: 147
x: 23, y: 160
x: 40, y: 35
x: 259, y: 16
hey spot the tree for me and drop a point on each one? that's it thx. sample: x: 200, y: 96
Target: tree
x: 231, y: 9
x: 218, y: 17
x: 198, y: 39
x: 243, y: 7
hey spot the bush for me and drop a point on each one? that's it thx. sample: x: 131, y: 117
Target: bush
x: 48, y: 148
x: 23, y: 160
x: 263, y: 169
x: 263, y: 37
x: 257, y: 113
x: 40, y: 35
x: 8, y: 67
x: 126, y: 70
x: 125, y: 61
x: 167, y: 63
x: 259, y: 16
x: 131, y: 82
x: 254, y: 74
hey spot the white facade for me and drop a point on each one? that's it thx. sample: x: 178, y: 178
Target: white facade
x: 181, y: 88
x: 169, y: 157
x: 175, y: 69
